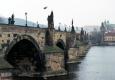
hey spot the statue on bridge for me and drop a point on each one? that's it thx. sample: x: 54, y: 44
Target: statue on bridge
x: 82, y: 35
x: 11, y: 20
x: 50, y: 21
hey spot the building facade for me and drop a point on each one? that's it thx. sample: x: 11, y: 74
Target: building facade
x: 109, y: 38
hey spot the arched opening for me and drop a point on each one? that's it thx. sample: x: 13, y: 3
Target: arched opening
x: 60, y: 44
x: 25, y: 56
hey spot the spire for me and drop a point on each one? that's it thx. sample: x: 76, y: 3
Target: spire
x: 102, y: 28
x: 59, y: 28
x: 65, y: 29
x: 72, y: 22
x: 102, y: 24
x: 82, y: 35
x: 52, y: 13
x: 82, y: 31
x: 38, y: 25
x: 72, y: 29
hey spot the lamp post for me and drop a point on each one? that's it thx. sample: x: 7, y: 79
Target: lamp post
x: 26, y: 18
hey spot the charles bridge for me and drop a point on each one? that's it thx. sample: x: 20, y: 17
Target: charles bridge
x: 32, y: 51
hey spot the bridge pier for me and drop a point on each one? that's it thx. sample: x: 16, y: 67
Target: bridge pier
x: 55, y: 65
x: 73, y: 55
x: 76, y: 53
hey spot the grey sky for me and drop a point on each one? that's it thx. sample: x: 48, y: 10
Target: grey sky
x: 83, y: 12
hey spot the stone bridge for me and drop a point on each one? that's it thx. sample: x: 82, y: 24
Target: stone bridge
x: 32, y: 49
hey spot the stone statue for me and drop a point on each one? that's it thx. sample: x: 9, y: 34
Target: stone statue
x: 9, y: 20
x: 50, y: 21
x: 12, y: 19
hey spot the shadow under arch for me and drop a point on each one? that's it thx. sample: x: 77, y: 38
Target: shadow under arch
x: 24, y: 53
x: 60, y: 43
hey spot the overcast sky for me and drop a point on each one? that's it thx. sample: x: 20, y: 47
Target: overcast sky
x: 83, y: 12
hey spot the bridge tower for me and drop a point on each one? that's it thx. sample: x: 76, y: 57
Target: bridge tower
x: 73, y: 35
x: 82, y: 35
x: 102, y: 29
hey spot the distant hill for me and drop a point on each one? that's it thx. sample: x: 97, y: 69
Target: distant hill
x: 19, y: 21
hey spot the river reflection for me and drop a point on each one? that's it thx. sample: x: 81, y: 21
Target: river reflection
x: 98, y: 64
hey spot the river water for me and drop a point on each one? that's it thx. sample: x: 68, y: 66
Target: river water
x: 98, y: 64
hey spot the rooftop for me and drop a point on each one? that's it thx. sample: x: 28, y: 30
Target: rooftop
x: 110, y: 33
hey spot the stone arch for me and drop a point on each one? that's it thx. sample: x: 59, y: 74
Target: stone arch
x: 24, y: 54
x: 60, y: 43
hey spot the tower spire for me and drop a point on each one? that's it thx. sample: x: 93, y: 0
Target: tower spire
x: 65, y: 29
x: 72, y: 22
x: 72, y: 29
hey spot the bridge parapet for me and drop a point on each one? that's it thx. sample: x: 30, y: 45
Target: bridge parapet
x: 59, y: 35
x: 9, y: 32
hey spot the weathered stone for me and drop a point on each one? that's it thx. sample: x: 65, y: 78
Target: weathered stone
x: 55, y: 63
x: 73, y: 54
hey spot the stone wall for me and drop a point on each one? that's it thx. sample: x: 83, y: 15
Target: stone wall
x: 59, y: 35
x: 82, y: 50
x: 8, y: 33
x: 72, y: 53
x: 54, y: 64
x: 76, y: 53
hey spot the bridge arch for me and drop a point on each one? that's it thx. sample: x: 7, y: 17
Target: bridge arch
x: 60, y: 43
x: 24, y: 53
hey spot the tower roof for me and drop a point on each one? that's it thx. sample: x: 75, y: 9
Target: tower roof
x: 72, y: 29
x: 102, y: 28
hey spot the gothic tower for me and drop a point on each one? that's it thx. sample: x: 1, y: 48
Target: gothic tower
x: 73, y: 36
x: 82, y: 35
x: 102, y: 29
x: 72, y: 29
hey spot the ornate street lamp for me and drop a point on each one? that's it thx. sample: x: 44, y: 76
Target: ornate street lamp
x: 26, y: 18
